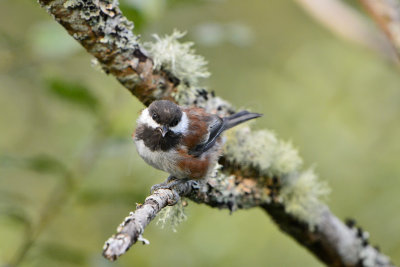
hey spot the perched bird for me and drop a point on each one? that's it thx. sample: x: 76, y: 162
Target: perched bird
x: 182, y: 141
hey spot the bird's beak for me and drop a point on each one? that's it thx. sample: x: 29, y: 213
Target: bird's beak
x: 164, y: 130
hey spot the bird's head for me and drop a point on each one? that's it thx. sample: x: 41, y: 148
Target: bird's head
x: 165, y: 117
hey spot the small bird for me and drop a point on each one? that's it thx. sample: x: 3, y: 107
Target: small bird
x: 182, y: 141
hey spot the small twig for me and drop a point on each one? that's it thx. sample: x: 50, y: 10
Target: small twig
x: 348, y: 23
x: 387, y: 15
x: 131, y: 229
x: 209, y: 192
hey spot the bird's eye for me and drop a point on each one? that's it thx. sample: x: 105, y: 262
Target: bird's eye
x: 174, y: 122
x: 154, y: 116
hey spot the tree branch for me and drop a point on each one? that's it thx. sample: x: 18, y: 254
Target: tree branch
x: 208, y: 191
x: 348, y: 23
x: 386, y: 13
x: 267, y: 176
x: 104, y: 32
x: 132, y: 228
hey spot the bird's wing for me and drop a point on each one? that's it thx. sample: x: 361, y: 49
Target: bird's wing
x: 215, y: 126
x: 205, y: 128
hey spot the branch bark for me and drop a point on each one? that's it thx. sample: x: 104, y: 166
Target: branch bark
x: 131, y: 229
x: 245, y: 181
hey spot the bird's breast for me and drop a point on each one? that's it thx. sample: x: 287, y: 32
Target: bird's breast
x: 162, y: 160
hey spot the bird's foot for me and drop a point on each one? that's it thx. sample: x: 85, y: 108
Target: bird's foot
x: 170, y: 183
x: 164, y: 185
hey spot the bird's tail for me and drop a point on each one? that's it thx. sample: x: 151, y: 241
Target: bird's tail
x: 238, y: 118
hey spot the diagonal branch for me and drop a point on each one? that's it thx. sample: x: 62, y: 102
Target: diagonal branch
x: 267, y: 176
x: 131, y: 229
x: 387, y: 15
x: 345, y: 21
x: 208, y: 192
x: 104, y: 32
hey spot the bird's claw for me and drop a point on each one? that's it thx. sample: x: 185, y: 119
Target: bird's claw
x: 170, y: 183
x: 163, y: 185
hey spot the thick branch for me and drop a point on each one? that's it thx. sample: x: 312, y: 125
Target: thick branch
x: 245, y: 181
x: 104, y: 32
x: 333, y: 242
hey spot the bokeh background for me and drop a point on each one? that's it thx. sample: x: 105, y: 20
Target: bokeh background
x: 69, y: 171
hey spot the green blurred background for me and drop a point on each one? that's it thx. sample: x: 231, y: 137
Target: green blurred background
x: 69, y: 171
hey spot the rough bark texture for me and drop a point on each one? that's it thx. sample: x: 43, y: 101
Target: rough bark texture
x: 100, y: 27
x: 105, y: 33
x: 131, y: 229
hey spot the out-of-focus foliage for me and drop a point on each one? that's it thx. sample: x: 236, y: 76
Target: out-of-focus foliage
x: 69, y: 171
x: 46, y: 40
x: 73, y: 92
x: 132, y: 12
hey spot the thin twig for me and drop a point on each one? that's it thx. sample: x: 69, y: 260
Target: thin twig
x: 132, y: 228
x: 348, y: 23
x: 206, y: 191
x: 387, y: 15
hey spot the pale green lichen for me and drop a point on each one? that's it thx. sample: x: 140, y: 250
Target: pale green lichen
x: 303, y: 195
x: 188, y: 96
x: 72, y: 3
x: 172, y: 216
x: 262, y: 151
x: 177, y: 58
x: 104, y: 17
x: 301, y: 192
x: 221, y: 189
x: 286, y: 159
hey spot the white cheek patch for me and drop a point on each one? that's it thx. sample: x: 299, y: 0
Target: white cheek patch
x: 146, y: 119
x: 182, y: 125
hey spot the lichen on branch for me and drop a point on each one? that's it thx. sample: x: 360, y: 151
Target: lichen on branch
x: 169, y: 54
